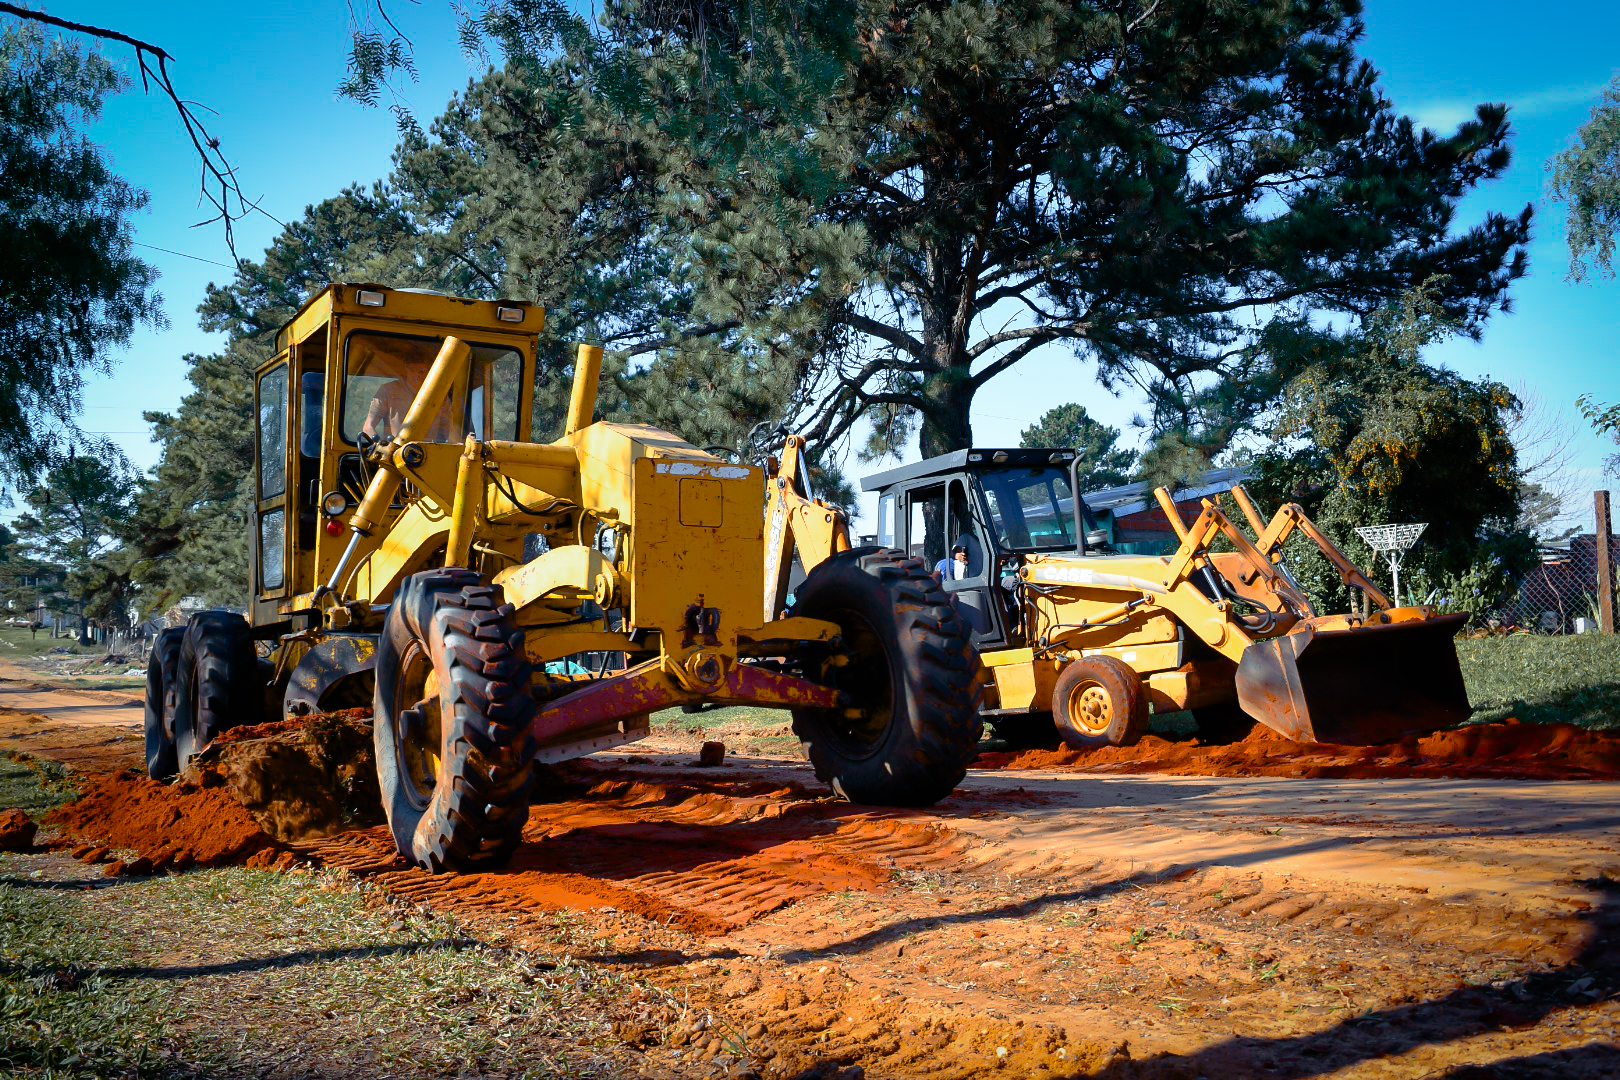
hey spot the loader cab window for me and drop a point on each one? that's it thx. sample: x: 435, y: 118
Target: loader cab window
x: 885, y: 522
x: 1031, y: 509
x: 925, y: 533
x: 941, y: 520
x: 383, y: 373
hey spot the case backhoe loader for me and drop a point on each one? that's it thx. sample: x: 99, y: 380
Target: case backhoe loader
x: 1090, y: 639
x: 414, y: 549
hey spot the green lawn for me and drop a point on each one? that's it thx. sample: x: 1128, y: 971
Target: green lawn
x: 33, y: 784
x: 1574, y: 679
x: 19, y: 644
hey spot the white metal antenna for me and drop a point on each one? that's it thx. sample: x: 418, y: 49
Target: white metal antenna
x: 1392, y: 541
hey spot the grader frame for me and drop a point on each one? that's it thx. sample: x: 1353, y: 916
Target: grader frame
x: 395, y: 564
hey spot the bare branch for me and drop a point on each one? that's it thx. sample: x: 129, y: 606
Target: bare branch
x: 219, y: 181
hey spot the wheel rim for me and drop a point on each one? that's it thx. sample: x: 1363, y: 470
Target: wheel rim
x: 418, y: 729
x: 862, y: 670
x: 1091, y: 710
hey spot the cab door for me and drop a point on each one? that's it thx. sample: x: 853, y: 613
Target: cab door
x: 938, y: 519
x: 270, y: 533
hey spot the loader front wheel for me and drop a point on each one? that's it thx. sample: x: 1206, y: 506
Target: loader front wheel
x: 162, y: 677
x: 218, y: 685
x: 906, y: 663
x: 451, y: 727
x: 1099, y: 701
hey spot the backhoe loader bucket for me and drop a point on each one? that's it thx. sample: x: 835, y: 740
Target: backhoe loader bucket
x: 1365, y: 686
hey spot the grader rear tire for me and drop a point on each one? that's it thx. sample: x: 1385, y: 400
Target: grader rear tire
x: 906, y: 660
x: 1099, y: 701
x: 218, y: 684
x: 451, y: 726
x: 162, y: 677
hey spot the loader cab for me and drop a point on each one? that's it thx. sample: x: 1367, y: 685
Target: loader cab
x: 992, y: 506
x: 346, y: 369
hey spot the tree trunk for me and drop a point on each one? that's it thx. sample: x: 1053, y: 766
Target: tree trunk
x: 947, y: 404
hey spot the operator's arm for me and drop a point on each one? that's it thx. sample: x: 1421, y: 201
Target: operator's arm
x: 386, y: 411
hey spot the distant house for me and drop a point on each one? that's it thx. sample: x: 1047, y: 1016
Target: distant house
x: 1563, y: 588
x: 1134, y: 520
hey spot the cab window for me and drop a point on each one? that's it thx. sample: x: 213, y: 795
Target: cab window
x: 383, y: 372
x: 1030, y: 509
x: 273, y: 433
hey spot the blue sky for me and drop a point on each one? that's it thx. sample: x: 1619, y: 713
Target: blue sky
x: 270, y: 71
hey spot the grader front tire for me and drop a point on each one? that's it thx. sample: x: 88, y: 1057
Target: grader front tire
x: 907, y: 663
x: 451, y: 727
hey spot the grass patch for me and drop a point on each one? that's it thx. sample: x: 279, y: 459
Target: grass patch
x: 322, y: 976
x: 17, y: 643
x: 1573, y: 679
x: 33, y: 784
x: 730, y: 717
x: 59, y: 1015
x: 121, y: 683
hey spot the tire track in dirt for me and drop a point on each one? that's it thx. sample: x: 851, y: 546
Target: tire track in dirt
x: 708, y: 862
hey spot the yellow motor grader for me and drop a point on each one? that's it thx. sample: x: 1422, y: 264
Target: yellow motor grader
x: 498, y: 601
x: 1077, y: 635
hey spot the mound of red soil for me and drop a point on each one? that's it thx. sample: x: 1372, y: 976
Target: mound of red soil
x: 1508, y: 750
x: 16, y: 831
x: 171, y: 826
x: 298, y: 725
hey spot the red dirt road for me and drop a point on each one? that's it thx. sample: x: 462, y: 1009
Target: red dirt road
x: 1048, y: 922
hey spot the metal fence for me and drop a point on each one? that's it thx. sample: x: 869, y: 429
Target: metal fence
x: 1564, y: 595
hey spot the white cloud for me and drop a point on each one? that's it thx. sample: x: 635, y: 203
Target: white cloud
x: 1443, y: 115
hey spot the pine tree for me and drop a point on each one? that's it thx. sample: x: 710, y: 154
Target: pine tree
x: 70, y: 290
x: 1102, y: 463
x: 891, y: 203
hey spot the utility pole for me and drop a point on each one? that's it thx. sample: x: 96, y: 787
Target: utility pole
x: 1605, y: 564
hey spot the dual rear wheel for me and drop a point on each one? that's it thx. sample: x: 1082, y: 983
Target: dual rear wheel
x: 201, y: 679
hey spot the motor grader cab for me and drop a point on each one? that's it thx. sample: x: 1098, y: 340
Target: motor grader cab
x: 416, y: 550
x: 1078, y: 635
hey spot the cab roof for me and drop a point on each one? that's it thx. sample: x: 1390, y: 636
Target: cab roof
x: 409, y: 305
x: 976, y: 458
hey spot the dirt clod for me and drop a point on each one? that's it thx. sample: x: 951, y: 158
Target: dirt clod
x: 16, y: 831
x: 712, y: 754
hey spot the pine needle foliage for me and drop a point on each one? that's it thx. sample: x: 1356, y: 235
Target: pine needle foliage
x: 70, y: 290
x: 1586, y: 177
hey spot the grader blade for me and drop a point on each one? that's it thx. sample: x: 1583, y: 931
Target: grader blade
x: 1364, y: 686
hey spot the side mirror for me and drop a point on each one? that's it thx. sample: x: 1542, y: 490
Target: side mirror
x: 1097, y: 538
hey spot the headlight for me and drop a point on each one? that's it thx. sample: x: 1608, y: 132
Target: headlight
x: 334, y: 503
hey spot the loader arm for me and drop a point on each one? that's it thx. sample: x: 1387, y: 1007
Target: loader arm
x: 1291, y: 517
x: 793, y: 518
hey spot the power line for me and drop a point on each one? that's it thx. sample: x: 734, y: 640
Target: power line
x: 183, y: 255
